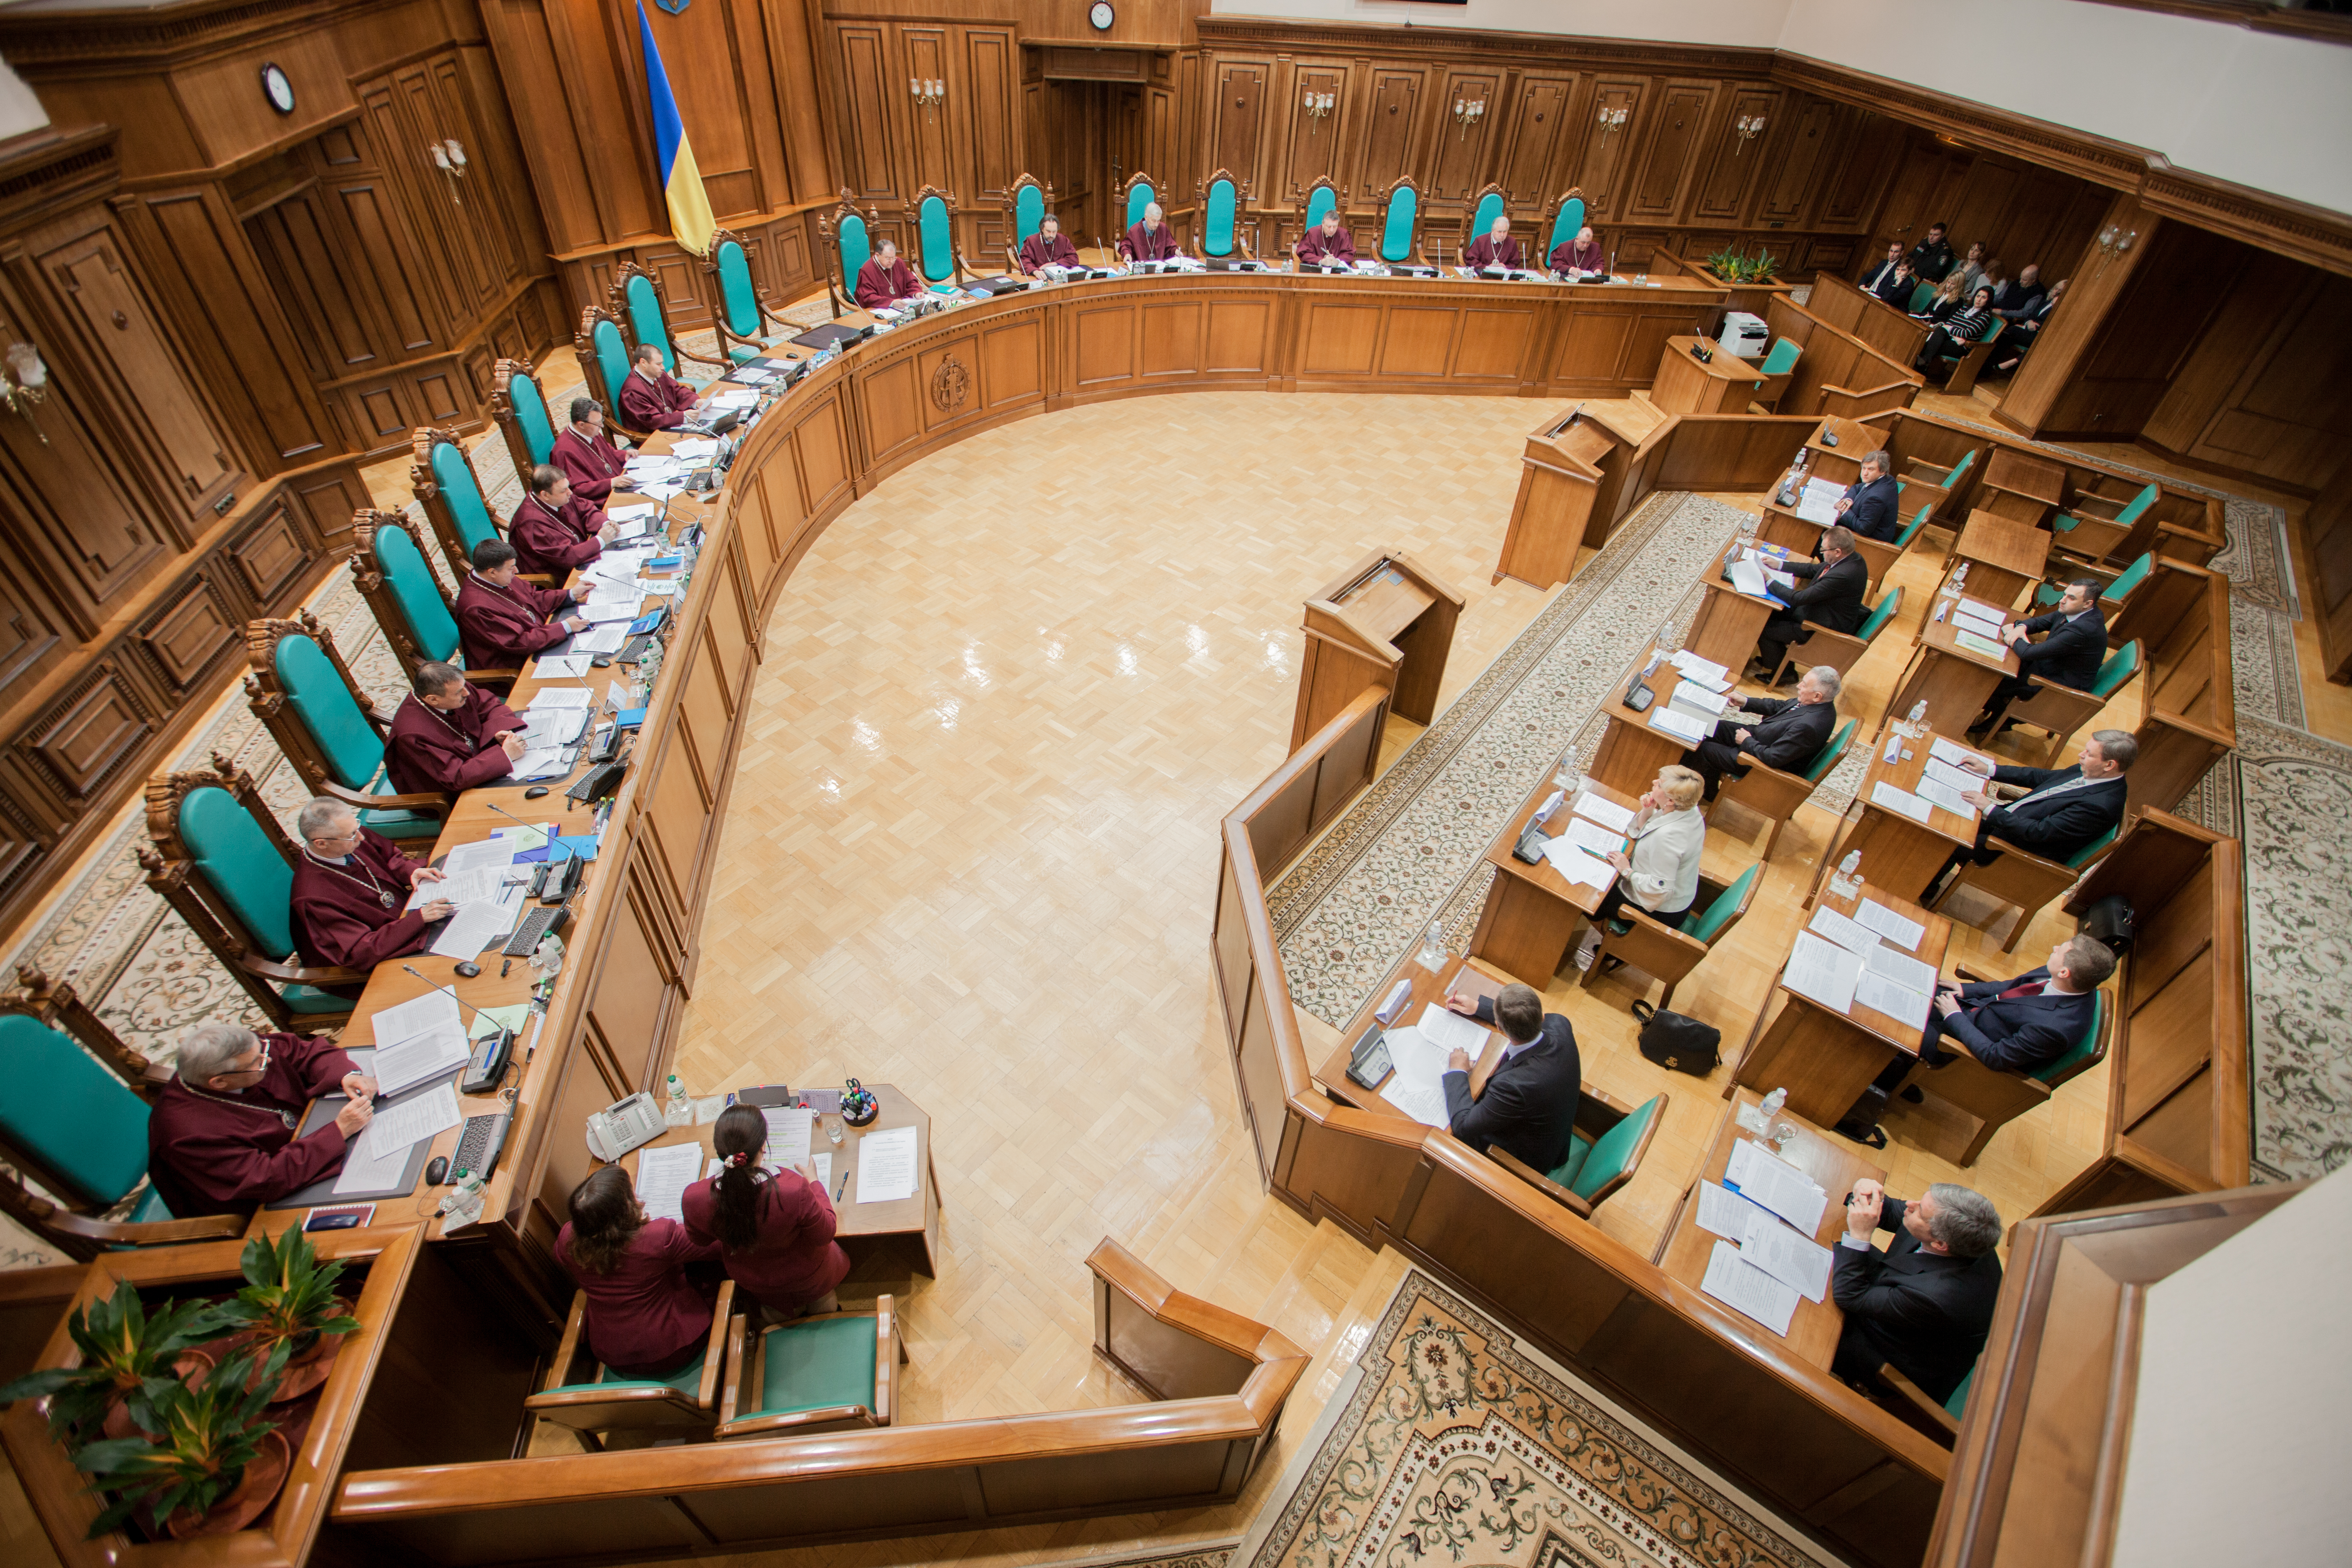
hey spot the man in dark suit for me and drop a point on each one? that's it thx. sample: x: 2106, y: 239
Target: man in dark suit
x: 2018, y: 1025
x: 1923, y: 1306
x: 1831, y: 597
x: 1931, y: 258
x: 2061, y: 811
x: 1895, y: 288
x: 1529, y: 1105
x: 1779, y: 733
x: 1871, y: 507
x: 2014, y: 301
x: 2025, y: 330
x: 1884, y: 269
x: 2073, y: 645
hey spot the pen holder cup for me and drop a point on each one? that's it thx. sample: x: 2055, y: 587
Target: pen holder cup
x: 859, y: 1105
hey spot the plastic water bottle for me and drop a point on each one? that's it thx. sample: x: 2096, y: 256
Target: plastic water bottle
x: 1772, y: 1104
x: 1431, y: 956
x: 463, y: 1205
x: 1918, y: 719
x: 679, y: 1111
x: 1847, y: 881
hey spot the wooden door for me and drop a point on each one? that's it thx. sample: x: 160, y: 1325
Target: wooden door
x: 925, y: 53
x: 1733, y: 165
x: 1468, y: 108
x: 1534, y: 132
x: 1388, y: 138
x: 1676, y: 132
x: 869, y: 112
x: 1794, y: 158
x: 1236, y: 118
x: 991, y: 82
x: 1311, y: 142
x: 1606, y: 143
x: 1848, y: 196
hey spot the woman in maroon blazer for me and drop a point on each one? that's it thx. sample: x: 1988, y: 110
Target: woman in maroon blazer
x: 773, y: 1228
x: 646, y: 1318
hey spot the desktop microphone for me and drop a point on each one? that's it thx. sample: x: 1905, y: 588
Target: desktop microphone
x: 488, y: 1063
x: 535, y: 826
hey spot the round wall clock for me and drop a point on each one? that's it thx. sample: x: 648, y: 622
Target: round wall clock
x: 278, y: 89
x: 1101, y: 15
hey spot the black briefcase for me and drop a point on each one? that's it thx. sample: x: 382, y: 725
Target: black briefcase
x: 1678, y: 1042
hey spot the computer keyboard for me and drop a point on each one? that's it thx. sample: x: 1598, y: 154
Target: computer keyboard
x: 536, y: 923
x: 479, y: 1145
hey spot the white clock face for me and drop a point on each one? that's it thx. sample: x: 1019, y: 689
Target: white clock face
x: 277, y: 89
x: 1101, y: 15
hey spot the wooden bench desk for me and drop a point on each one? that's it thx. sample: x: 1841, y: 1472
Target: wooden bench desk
x: 1953, y: 681
x: 1461, y: 973
x: 1728, y: 622
x: 1532, y: 912
x: 2004, y: 556
x: 2021, y: 487
x: 1899, y: 854
x: 1631, y: 749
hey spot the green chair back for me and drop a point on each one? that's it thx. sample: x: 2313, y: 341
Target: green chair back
x: 531, y: 417
x: 1710, y: 925
x: 1139, y: 197
x: 1028, y: 214
x: 1614, y: 1149
x: 1889, y: 603
x: 2139, y: 503
x: 1221, y: 204
x: 646, y: 319
x: 1490, y: 207
x: 1822, y: 764
x: 2081, y: 858
x: 612, y: 359
x: 1320, y: 201
x: 739, y: 301
x: 80, y: 1119
x: 2132, y: 577
x: 1958, y: 1400
x: 2119, y: 667
x: 1784, y: 357
x: 856, y: 247
x: 454, y: 475
x: 1922, y: 297
x: 939, y: 243
x: 1565, y: 223
x: 318, y: 697
x: 430, y: 625
x: 687, y: 1380
x: 1396, y: 232
x: 240, y: 864
x: 1918, y: 523
x: 817, y: 1365
x: 2081, y: 1050
x: 1967, y: 459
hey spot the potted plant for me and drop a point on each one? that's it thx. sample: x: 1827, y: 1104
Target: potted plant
x: 289, y: 1301
x: 1732, y: 266
x: 214, y: 1465
x: 128, y: 1359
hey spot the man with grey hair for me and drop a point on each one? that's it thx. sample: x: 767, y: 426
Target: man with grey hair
x: 349, y: 890
x: 221, y: 1137
x: 1923, y: 1305
x: 449, y: 735
x: 1786, y: 733
x: 1150, y: 240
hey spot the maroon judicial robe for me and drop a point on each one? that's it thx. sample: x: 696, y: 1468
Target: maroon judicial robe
x: 1146, y: 244
x: 340, y: 917
x: 207, y: 1157
x: 592, y: 466
x: 1483, y: 252
x: 1568, y: 256
x: 881, y: 285
x: 500, y: 628
x: 449, y: 752
x: 552, y: 543
x: 1314, y: 246
x: 1038, y: 251
x: 655, y: 404
x: 644, y: 1319
x: 795, y: 1260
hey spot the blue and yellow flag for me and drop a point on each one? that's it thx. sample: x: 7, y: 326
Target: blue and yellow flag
x: 690, y: 204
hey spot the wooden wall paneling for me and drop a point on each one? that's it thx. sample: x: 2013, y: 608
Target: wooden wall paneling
x: 992, y: 74
x: 1850, y: 195
x: 2146, y: 337
x: 1461, y: 145
x: 193, y: 625
x: 1391, y: 139
x: 865, y: 69
x: 1311, y: 144
x: 1237, y: 113
x: 553, y: 86
x: 2098, y: 283
x: 28, y: 632
x: 77, y: 511
x: 2263, y: 391
x: 1676, y: 128
x: 2326, y: 534
x: 800, y: 90
x: 319, y: 279
x: 1600, y: 167
x: 1536, y: 137
x: 1731, y: 169
x: 758, y: 102
x: 382, y: 249
x: 928, y: 54
x: 1794, y: 158
x: 94, y: 730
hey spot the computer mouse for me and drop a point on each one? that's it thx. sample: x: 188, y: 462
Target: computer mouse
x: 468, y: 969
x: 602, y: 660
x: 436, y: 1170
x: 534, y: 791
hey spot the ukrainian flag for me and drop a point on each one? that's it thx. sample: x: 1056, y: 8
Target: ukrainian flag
x: 690, y: 204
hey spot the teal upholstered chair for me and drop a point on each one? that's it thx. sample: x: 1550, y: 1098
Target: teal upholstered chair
x: 1322, y: 196
x: 1400, y: 225
x: 1841, y: 650
x: 1661, y: 951
x: 519, y: 406
x: 1140, y: 192
x: 1568, y: 216
x: 1921, y: 298
x: 441, y: 476
x: 2112, y: 597
x: 637, y: 299
x: 937, y: 262
x: 418, y: 619
x: 1934, y: 483
x: 77, y: 1124
x: 1779, y: 365
x: 2024, y: 881
x: 583, y: 1394
x: 1970, y: 362
x: 1027, y: 204
x: 1916, y: 1408
x: 1218, y: 200
x: 742, y: 316
x: 2061, y: 710
x: 1774, y: 795
x: 218, y: 858
x: 303, y: 692
x: 1604, y: 1149
x: 847, y: 235
x: 833, y: 1373
x: 2098, y: 527
x: 1996, y: 1098
x: 1480, y: 216
x: 603, y: 350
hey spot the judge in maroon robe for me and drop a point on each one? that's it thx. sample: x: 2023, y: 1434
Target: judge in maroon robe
x: 1150, y: 240
x: 554, y: 531
x: 220, y: 1139
x: 586, y: 454
x: 1495, y: 247
x: 1049, y: 247
x: 1581, y: 253
x: 450, y: 735
x: 351, y: 892
x: 652, y: 398
x: 1328, y: 241
x: 503, y: 620
x: 885, y: 279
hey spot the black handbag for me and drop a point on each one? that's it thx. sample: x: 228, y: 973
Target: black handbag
x: 2110, y: 921
x: 1678, y: 1042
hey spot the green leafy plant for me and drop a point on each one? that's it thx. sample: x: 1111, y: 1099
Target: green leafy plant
x: 126, y: 1355
x: 1734, y: 268
x: 208, y: 1436
x: 289, y: 1297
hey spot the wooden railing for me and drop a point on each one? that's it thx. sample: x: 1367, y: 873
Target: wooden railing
x: 1748, y: 297
x: 1838, y: 373
x: 1844, y: 306
x: 2189, y: 716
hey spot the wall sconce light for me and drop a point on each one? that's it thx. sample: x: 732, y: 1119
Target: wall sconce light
x: 24, y: 383
x: 449, y: 157
x: 1318, y: 106
x: 1747, y: 128
x: 2115, y: 240
x: 1610, y: 120
x: 928, y: 93
x: 1466, y: 114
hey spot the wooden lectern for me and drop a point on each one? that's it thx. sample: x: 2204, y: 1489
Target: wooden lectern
x: 1385, y: 622
x: 1570, y: 477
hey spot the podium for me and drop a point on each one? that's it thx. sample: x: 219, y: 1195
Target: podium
x: 1721, y: 383
x: 1385, y: 622
x: 1570, y: 474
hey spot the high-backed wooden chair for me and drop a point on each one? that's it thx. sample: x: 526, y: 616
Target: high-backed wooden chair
x: 1841, y: 650
x: 1779, y: 365
x: 835, y: 1371
x: 1910, y: 1404
x: 738, y: 306
x: 1399, y: 241
x: 1934, y: 484
x: 305, y: 696
x: 1997, y: 1099
x: 1217, y: 234
x: 582, y: 1393
x: 636, y: 296
x: 1971, y: 362
x: 939, y: 264
x: 77, y: 1124
x: 1480, y: 216
x: 2024, y: 880
x: 1027, y: 202
x: 1568, y: 214
x: 1140, y: 192
x: 218, y: 858
x: 847, y: 235
x: 2059, y: 711
x: 602, y: 349
x: 2117, y: 593
x: 1603, y: 1152
x: 519, y: 406
x: 2098, y: 526
x: 1774, y: 795
x: 1322, y: 196
x: 418, y: 618
x: 1661, y: 951
x: 441, y: 473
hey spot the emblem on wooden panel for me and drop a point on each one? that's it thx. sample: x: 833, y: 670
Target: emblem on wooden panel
x: 950, y: 385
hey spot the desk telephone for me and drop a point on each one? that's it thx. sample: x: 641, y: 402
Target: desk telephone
x: 624, y: 1125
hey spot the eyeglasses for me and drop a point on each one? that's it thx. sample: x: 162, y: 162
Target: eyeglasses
x: 260, y: 1066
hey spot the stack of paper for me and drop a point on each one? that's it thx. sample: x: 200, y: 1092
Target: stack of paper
x: 1900, y: 930
x: 600, y: 611
x: 1607, y: 814
x: 1798, y: 1262
x: 1939, y: 792
x: 491, y: 851
x: 1747, y: 577
x: 1722, y: 1212
x: 1897, y: 799
x: 1699, y: 700
x: 1954, y: 754
x: 1763, y: 1177
x: 1593, y: 837
x: 377, y: 1158
x: 600, y: 639
x: 1846, y: 933
x: 1682, y: 726
x: 663, y: 1176
x: 1822, y: 971
x: 1896, y: 984
x: 1818, y: 502
x: 1416, y: 1086
x: 1706, y: 671
x: 692, y: 447
x: 1575, y: 864
x: 1747, y: 1289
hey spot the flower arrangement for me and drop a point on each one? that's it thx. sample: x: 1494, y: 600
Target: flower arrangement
x: 1733, y: 267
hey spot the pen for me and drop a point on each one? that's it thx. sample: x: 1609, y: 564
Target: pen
x: 842, y: 1185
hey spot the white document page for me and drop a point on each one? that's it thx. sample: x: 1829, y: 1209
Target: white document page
x: 1609, y: 814
x: 564, y: 667
x: 1680, y: 725
x: 1722, y: 1212
x: 788, y: 1135
x: 1822, y: 971
x: 886, y: 1166
x: 1899, y: 800
x: 1593, y: 838
x: 465, y: 887
x: 427, y: 1114
x: 1797, y: 1261
x: 1900, y: 930
x: 405, y: 1064
x: 551, y: 727
x: 1747, y: 1289
x: 419, y: 1016
x: 543, y: 762
x: 1883, y: 996
x: 1765, y: 1178
x: 663, y: 1176
x: 1818, y: 502
x: 1691, y: 694
x: 1706, y: 671
x: 1979, y: 610
x: 1840, y: 930
x: 1747, y: 577
x: 1953, y: 752
x: 1901, y: 968
x: 370, y: 1170
x: 490, y: 851
x: 1577, y: 866
x: 1450, y: 1031
x: 1935, y: 792
x: 1957, y: 778
x: 1983, y: 646
x: 600, y: 639
x: 602, y: 611
x: 1415, y: 1087
x: 523, y: 837
x: 477, y: 925
x: 555, y: 697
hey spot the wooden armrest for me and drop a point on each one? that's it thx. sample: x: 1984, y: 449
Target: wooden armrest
x: 738, y: 1368
x: 1537, y: 1179
x: 291, y: 974
x: 433, y: 803
x: 2006, y: 847
x: 682, y: 352
x: 1620, y: 1107
x: 714, y: 1352
x: 493, y: 677
x: 1914, y: 1407
x: 563, y: 1370
x: 2089, y: 498
x: 151, y: 1233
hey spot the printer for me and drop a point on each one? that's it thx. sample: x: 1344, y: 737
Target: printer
x: 1744, y: 334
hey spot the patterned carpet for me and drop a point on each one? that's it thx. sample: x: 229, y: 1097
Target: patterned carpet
x: 1449, y: 1443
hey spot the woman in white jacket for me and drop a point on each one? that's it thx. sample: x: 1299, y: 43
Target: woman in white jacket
x: 1660, y: 876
